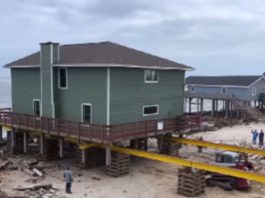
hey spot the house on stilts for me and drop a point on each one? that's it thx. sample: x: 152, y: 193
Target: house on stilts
x: 230, y: 95
x: 106, y: 93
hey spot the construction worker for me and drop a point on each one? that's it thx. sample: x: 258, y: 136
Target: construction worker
x: 68, y: 176
x: 261, y: 138
x: 255, y: 135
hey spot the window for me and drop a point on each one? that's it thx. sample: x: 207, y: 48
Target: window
x: 150, y: 110
x: 223, y: 90
x: 36, y: 107
x: 151, y: 76
x: 62, y: 78
x: 254, y: 91
x: 86, y: 113
x: 193, y: 90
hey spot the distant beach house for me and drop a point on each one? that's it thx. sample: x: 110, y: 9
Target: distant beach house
x: 243, y: 88
x: 100, y: 83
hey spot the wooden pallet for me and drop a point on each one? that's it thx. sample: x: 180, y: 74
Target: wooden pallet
x: 191, y: 183
x: 119, y: 165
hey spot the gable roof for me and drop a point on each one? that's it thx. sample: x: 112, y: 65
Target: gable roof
x: 102, y: 53
x: 222, y: 80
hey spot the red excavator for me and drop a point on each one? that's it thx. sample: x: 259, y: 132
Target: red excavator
x: 233, y: 160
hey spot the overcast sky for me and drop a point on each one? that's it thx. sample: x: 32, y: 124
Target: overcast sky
x: 217, y: 37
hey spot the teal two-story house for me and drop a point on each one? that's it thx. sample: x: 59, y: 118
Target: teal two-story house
x: 101, y: 83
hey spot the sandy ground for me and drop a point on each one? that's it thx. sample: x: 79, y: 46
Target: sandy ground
x: 232, y: 135
x: 147, y: 179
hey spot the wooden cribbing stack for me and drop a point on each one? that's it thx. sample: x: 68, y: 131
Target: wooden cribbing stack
x: 119, y: 165
x: 191, y: 183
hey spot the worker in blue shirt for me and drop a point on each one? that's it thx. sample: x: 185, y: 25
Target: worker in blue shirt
x: 261, y: 138
x: 255, y: 135
x: 68, y: 176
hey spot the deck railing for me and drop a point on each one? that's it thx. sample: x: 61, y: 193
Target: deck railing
x: 96, y: 132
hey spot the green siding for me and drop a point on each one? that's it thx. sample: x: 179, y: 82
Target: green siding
x: 25, y: 88
x: 129, y: 93
x: 85, y: 85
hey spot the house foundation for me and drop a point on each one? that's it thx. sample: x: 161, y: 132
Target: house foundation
x: 168, y: 147
x: 191, y: 183
x: 50, y: 148
x: 119, y: 164
x: 139, y: 144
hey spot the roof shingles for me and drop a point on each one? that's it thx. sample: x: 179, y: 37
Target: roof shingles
x: 100, y: 53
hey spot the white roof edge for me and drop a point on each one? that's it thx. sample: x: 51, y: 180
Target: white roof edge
x: 105, y: 65
x: 122, y: 65
x: 203, y: 85
x: 22, y: 66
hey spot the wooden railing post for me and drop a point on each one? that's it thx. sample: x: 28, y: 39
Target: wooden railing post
x: 79, y: 127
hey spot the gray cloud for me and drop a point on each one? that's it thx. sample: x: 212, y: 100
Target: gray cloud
x: 216, y: 37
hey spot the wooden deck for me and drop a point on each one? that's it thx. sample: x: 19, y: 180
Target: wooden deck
x: 94, y: 132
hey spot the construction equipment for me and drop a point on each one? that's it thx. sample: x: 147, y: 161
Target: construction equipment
x: 227, y: 182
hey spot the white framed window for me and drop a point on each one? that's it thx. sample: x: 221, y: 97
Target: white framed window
x: 150, y: 110
x: 254, y: 91
x: 62, y: 78
x: 86, y: 112
x: 150, y: 76
x: 36, y: 107
x: 223, y: 90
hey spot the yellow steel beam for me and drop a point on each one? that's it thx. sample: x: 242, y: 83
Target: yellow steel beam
x: 187, y: 163
x: 216, y: 146
x: 71, y: 139
x: 87, y: 146
x: 6, y: 128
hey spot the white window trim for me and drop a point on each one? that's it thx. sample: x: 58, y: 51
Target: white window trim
x: 82, y: 117
x: 223, y: 88
x: 66, y: 76
x: 254, y: 91
x: 151, y: 81
x: 33, y: 101
x: 157, y: 113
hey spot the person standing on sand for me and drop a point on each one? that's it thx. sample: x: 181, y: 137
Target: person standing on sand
x: 261, y: 138
x: 255, y: 135
x: 68, y: 176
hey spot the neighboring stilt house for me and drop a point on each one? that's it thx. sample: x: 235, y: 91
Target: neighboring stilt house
x: 96, y: 92
x: 236, y: 92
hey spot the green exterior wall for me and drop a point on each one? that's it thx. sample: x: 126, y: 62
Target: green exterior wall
x: 25, y: 88
x: 129, y: 93
x: 85, y: 85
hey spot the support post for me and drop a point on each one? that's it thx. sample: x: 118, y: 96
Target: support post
x: 216, y: 108
x: 213, y: 107
x: 108, y: 155
x: 190, y: 99
x: 61, y: 147
x: 1, y: 133
x: 202, y: 105
x: 25, y: 142
x: 41, y: 144
x: 83, y: 156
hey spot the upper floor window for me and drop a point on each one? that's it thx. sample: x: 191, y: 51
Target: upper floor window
x: 254, y: 91
x: 150, y: 110
x: 151, y: 76
x: 223, y: 90
x: 192, y: 89
x: 62, y: 78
